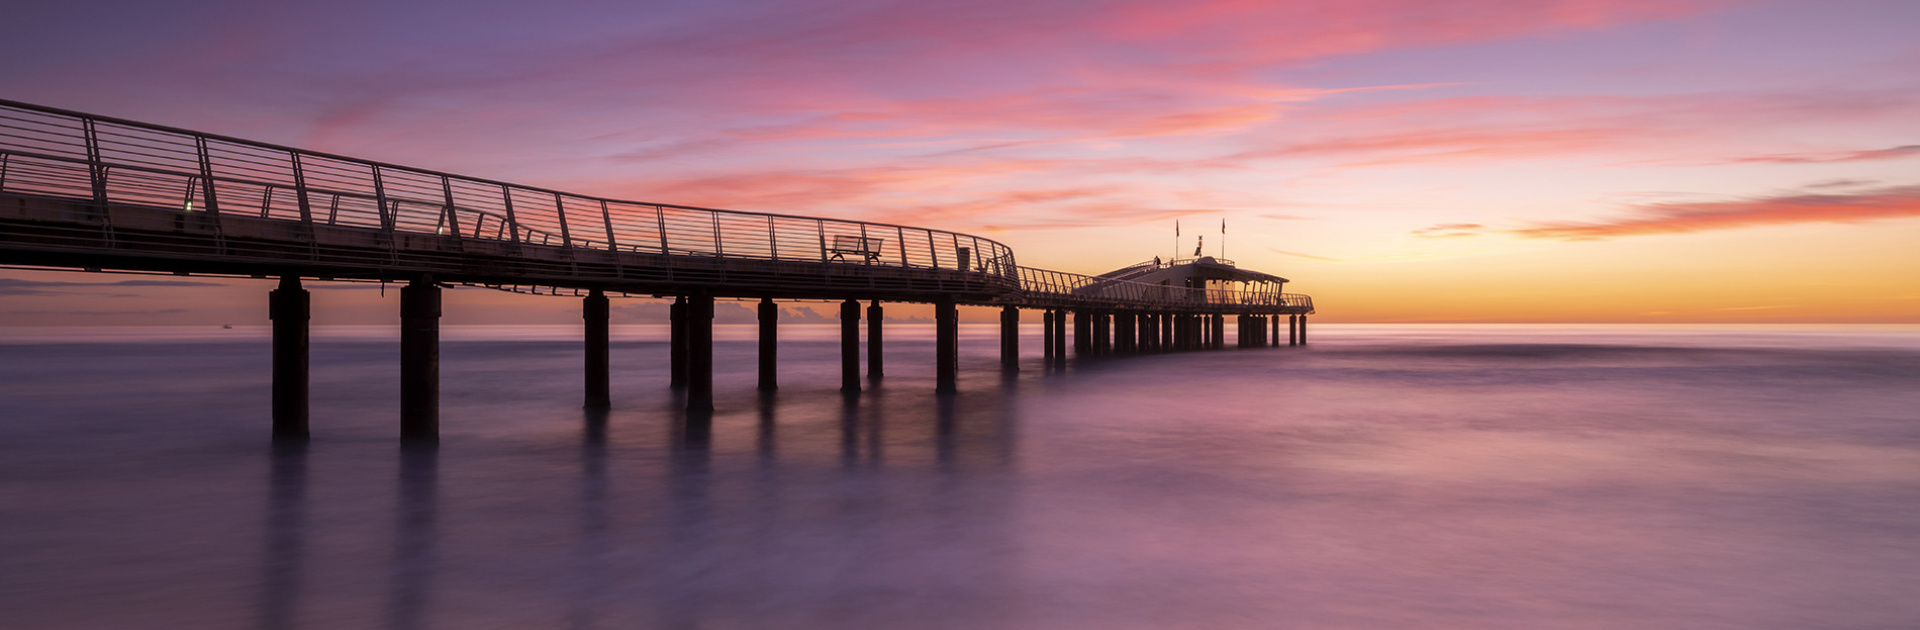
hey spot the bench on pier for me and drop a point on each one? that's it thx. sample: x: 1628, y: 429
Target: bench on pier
x: 868, y: 249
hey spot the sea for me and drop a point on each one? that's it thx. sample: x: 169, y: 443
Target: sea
x: 1385, y: 476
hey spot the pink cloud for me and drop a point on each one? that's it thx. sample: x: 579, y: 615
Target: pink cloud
x: 1895, y: 153
x: 1676, y: 218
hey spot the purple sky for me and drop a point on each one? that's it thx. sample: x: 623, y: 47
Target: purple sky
x: 1617, y: 160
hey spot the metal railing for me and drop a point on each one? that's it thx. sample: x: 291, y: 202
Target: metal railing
x: 1045, y: 285
x: 110, y: 162
x: 57, y: 153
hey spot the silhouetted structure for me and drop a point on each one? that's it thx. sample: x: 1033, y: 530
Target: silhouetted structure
x: 96, y: 193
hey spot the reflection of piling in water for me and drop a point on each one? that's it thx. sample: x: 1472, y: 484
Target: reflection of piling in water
x: 414, y: 551
x: 286, y: 552
x: 590, y: 587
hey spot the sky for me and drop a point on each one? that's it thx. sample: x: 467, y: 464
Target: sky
x: 1661, y: 161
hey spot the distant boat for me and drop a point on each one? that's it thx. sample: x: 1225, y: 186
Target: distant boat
x: 227, y: 326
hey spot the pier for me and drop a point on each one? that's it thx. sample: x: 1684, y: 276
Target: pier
x: 93, y: 193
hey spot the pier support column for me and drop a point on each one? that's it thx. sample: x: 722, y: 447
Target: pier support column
x: 677, y: 344
x: 946, y: 321
x: 1109, y: 322
x: 420, y: 361
x: 1060, y: 337
x: 769, y: 345
x: 1303, y: 329
x: 596, y: 312
x: 1009, y: 339
x: 1046, y: 337
x: 1219, y: 331
x: 1082, y: 333
x: 875, y: 346
x: 1276, y: 330
x: 1293, y: 330
x: 850, y: 346
x: 699, y: 353
x: 289, y: 307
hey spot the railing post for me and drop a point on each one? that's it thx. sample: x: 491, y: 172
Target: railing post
x: 96, y: 170
x: 387, y: 220
x: 560, y: 208
x: 300, y: 192
x: 606, y: 216
x: 660, y: 221
x: 820, y: 226
x: 513, y: 223
x: 453, y: 213
x: 773, y: 240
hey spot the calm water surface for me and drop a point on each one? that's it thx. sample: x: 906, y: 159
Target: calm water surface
x: 1467, y: 477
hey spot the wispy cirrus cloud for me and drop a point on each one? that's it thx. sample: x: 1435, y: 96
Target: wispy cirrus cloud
x: 1897, y: 202
x: 1450, y: 230
x: 1893, y: 153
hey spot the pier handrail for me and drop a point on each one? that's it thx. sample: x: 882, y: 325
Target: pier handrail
x: 59, y: 153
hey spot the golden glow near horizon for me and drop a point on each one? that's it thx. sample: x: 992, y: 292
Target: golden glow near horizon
x: 1401, y: 161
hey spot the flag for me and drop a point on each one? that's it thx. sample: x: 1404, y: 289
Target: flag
x: 1176, y: 228
x: 1223, y: 225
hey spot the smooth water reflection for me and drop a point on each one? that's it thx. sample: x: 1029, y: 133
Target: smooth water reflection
x: 1380, y: 482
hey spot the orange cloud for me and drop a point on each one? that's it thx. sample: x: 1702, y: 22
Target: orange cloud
x: 1895, y: 153
x: 1450, y: 230
x: 1674, y: 218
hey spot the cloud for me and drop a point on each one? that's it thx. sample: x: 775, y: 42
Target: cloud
x: 1450, y: 230
x: 1477, y: 129
x: 1302, y: 256
x: 16, y: 286
x: 1894, y: 153
x: 1675, y: 218
x: 164, y: 311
